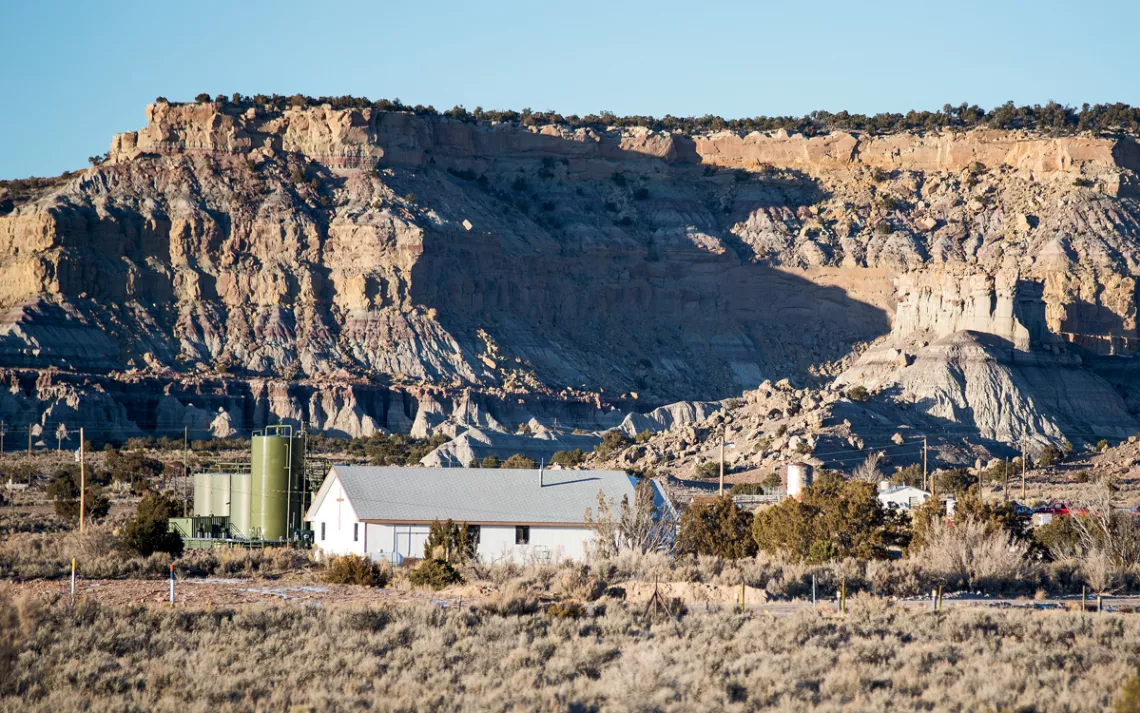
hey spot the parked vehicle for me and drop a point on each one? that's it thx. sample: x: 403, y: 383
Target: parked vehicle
x: 1055, y: 508
x: 1058, y: 508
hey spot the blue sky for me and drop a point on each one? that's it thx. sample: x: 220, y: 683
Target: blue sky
x: 74, y: 73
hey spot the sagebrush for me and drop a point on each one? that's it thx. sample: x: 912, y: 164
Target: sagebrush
x: 426, y: 658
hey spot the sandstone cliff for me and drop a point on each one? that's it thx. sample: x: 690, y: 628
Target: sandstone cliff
x: 360, y: 249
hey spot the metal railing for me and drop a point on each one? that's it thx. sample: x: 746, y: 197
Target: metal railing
x: 770, y: 495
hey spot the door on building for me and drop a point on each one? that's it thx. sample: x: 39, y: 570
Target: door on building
x: 410, y: 540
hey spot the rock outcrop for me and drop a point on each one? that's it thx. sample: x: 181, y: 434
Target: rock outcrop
x: 360, y: 137
x: 356, y: 249
x: 984, y: 354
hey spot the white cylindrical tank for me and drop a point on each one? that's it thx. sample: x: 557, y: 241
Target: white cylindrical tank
x: 203, y: 482
x: 799, y: 477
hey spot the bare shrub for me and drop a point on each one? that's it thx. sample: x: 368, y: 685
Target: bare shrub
x: 48, y: 555
x: 641, y: 526
x: 896, y: 577
x: 578, y: 583
x: 1099, y: 570
x: 1103, y: 540
x: 239, y: 561
x: 514, y: 599
x: 868, y: 471
x: 867, y: 608
x: 966, y: 554
x: 1102, y: 527
x: 627, y: 565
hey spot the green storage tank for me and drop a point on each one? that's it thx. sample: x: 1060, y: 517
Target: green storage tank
x: 276, y: 474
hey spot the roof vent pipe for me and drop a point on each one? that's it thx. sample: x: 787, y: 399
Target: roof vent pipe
x: 541, y: 462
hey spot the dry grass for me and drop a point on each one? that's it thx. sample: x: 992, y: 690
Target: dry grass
x: 422, y: 658
x: 956, y: 561
x: 47, y: 555
x: 974, y: 563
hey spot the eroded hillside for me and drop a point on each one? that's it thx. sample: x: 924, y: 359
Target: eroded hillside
x: 381, y: 261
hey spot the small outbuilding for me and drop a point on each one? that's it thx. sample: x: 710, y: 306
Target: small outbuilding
x: 903, y: 497
x: 519, y: 515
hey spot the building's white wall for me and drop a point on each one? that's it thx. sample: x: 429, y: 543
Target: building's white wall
x: 338, y: 518
x: 496, y: 544
x: 399, y: 541
x: 902, y: 498
x: 410, y: 540
x: 380, y: 539
x: 553, y: 544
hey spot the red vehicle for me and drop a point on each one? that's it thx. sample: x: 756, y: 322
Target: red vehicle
x: 1055, y: 508
x: 1058, y: 508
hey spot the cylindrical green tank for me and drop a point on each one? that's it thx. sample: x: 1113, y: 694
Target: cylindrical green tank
x: 203, y: 483
x: 240, y: 504
x: 276, y: 470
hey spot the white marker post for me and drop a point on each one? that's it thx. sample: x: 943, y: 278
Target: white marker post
x: 172, y: 585
x: 72, y: 580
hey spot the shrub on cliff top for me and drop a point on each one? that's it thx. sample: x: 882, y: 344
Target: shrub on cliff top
x: 567, y: 459
x: 519, y: 460
x: 612, y: 442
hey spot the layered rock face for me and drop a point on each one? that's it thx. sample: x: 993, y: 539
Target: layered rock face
x: 988, y: 356
x: 365, y: 249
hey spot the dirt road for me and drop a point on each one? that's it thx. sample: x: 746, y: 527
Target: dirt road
x: 237, y: 592
x: 304, y: 591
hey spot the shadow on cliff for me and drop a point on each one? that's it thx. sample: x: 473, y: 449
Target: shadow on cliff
x: 896, y: 430
x: 1092, y: 327
x: 630, y: 280
x: 1040, y: 394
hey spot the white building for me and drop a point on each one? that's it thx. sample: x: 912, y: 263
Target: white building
x: 521, y: 515
x: 903, y: 497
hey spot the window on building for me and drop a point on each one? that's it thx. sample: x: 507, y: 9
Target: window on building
x: 473, y: 533
x: 522, y: 535
x: 322, y: 532
x: 355, y: 531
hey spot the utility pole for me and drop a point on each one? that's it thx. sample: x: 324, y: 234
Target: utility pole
x: 1023, y: 466
x: 722, y: 437
x: 186, y: 468
x: 82, y: 479
x: 924, y: 462
x: 29, y: 440
x: 3, y: 431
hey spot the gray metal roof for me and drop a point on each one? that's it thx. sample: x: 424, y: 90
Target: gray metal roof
x: 478, y: 495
